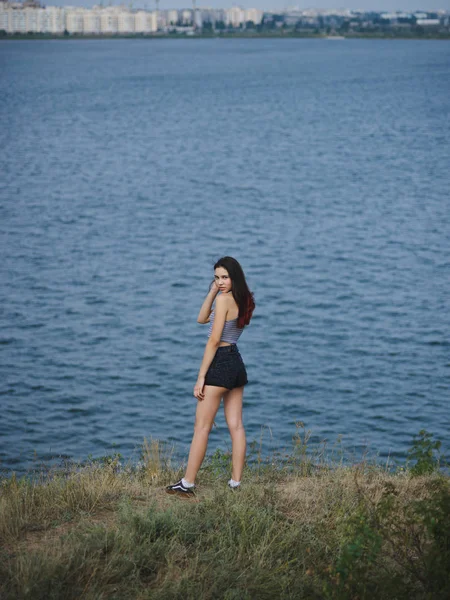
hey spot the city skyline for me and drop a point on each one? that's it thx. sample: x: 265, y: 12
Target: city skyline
x: 366, y: 5
x: 107, y: 19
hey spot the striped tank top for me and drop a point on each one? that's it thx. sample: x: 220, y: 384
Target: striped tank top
x: 231, y: 332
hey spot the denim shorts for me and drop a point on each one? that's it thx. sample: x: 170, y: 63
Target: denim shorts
x: 227, y: 368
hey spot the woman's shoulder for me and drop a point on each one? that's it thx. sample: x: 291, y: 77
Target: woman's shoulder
x: 225, y: 301
x: 221, y: 298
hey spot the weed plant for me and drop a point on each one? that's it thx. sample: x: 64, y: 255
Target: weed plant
x: 302, y: 526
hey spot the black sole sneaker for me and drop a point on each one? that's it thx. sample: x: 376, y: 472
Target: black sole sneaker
x: 178, y: 489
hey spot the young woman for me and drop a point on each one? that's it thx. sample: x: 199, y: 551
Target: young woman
x: 222, y: 372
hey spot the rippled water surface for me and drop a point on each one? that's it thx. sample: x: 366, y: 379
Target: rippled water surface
x: 129, y: 166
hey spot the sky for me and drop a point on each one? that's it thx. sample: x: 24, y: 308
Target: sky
x: 376, y: 5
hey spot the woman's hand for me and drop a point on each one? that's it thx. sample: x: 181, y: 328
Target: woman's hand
x: 214, y: 288
x: 199, y: 388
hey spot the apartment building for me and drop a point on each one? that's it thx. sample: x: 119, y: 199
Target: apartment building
x: 14, y: 18
x: 145, y: 22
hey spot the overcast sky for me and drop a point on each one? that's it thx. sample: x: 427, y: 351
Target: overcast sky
x: 377, y: 5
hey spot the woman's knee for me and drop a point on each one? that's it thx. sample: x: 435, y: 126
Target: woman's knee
x: 202, y: 427
x: 236, y: 427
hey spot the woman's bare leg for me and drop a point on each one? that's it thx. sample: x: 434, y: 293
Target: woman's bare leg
x: 204, y: 419
x: 233, y: 414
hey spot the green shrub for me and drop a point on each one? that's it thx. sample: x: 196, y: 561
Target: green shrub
x: 425, y: 454
x: 394, y: 550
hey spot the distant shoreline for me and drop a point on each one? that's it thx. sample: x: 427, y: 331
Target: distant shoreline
x: 247, y: 35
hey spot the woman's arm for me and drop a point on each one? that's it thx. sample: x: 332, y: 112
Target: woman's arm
x: 212, y: 344
x: 205, y: 311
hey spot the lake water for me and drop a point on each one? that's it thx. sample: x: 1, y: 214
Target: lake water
x: 129, y: 166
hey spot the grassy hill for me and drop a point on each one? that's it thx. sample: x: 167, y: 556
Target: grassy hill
x: 299, y: 528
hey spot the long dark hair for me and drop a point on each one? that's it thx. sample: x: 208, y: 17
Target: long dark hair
x: 239, y: 288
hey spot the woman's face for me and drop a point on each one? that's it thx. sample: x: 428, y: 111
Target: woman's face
x: 222, y: 280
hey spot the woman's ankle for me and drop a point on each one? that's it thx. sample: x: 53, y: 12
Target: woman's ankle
x: 234, y: 484
x: 187, y: 483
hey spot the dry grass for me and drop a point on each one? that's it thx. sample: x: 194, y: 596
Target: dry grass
x: 310, y: 498
x: 293, y: 531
